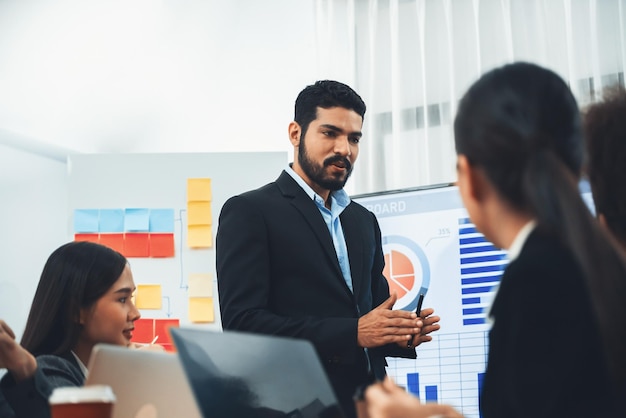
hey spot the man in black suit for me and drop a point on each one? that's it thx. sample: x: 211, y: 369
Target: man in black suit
x: 298, y: 258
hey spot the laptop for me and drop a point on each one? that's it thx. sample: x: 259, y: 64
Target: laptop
x: 147, y: 384
x: 236, y: 374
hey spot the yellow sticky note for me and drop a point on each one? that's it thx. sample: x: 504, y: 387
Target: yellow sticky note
x: 198, y: 190
x: 148, y: 296
x: 199, y: 213
x: 201, y: 310
x: 201, y: 285
x: 199, y: 236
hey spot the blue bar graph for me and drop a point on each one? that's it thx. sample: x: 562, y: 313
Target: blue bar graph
x: 413, y: 386
x: 471, y: 311
x: 431, y: 393
x: 481, y: 268
x: 472, y: 240
x: 472, y: 290
x: 478, y: 249
x: 413, y: 383
x: 477, y: 280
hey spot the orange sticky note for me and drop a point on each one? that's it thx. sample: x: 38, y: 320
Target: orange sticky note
x: 161, y: 245
x: 137, y: 245
x: 161, y: 329
x: 87, y: 237
x: 144, y: 330
x: 113, y: 241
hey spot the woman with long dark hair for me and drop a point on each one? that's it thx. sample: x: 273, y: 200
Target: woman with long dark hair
x: 83, y: 298
x: 557, y: 346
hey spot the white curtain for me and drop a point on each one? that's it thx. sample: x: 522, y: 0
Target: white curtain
x: 412, y: 60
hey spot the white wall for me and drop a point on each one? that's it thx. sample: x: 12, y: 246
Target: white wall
x: 33, y: 221
x: 154, y: 76
x: 132, y: 76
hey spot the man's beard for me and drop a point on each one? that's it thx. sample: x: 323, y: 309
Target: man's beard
x: 316, y: 173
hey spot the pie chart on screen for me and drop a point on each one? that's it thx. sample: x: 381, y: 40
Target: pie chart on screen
x: 399, y: 273
x: 406, y: 269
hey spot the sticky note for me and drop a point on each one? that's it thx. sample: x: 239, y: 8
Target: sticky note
x: 201, y: 310
x: 162, y: 245
x: 161, y: 329
x: 144, y: 330
x: 200, y: 285
x: 199, y: 213
x: 137, y: 220
x: 86, y: 220
x: 162, y: 220
x: 148, y: 296
x: 199, y: 190
x: 199, y: 236
x: 136, y: 245
x: 87, y: 237
x: 113, y: 241
x: 111, y: 220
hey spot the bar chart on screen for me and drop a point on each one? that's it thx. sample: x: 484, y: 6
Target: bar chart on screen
x: 432, y: 247
x: 448, y: 370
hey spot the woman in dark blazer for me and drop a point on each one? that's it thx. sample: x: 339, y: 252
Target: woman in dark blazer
x: 558, y: 341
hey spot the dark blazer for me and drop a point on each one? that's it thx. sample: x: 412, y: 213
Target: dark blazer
x: 29, y: 398
x: 545, y: 352
x: 278, y: 274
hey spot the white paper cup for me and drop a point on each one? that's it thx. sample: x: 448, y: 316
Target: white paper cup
x: 95, y: 401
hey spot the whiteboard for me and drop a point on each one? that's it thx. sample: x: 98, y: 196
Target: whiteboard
x: 119, y: 181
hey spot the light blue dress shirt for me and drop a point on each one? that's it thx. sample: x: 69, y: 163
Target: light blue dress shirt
x: 339, y: 201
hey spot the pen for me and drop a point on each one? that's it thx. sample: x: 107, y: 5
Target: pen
x: 155, y: 338
x: 418, y: 310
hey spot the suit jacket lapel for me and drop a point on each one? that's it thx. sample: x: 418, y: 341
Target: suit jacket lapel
x: 354, y: 242
x: 309, y: 210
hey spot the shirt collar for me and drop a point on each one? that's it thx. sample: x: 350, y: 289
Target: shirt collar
x: 338, y: 197
x: 520, y: 240
x: 83, y: 368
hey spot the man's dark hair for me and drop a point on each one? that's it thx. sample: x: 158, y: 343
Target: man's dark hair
x: 605, y: 133
x: 325, y: 94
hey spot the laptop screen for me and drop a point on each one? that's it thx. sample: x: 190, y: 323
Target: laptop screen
x: 146, y: 384
x: 239, y: 374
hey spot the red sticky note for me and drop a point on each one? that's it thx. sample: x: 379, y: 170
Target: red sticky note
x: 113, y: 241
x: 161, y: 327
x: 86, y: 237
x: 136, y: 245
x: 144, y: 331
x: 161, y: 245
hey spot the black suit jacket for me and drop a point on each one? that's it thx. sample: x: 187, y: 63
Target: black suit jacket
x: 545, y: 352
x: 278, y: 274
